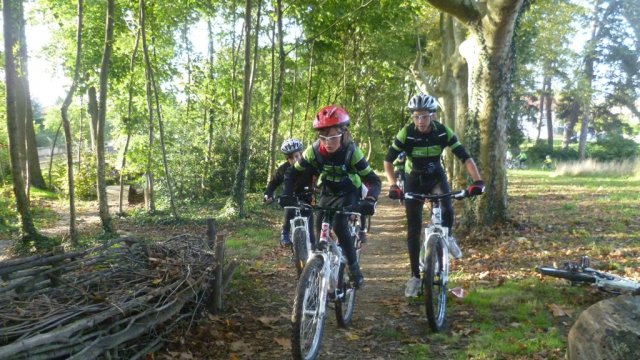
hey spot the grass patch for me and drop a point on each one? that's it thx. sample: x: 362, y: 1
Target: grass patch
x: 512, y: 320
x: 591, y: 167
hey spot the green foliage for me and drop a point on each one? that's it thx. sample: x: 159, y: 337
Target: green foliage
x: 613, y: 148
x: 84, y: 178
x: 8, y: 214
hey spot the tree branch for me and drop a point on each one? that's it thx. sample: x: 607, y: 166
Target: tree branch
x: 467, y: 11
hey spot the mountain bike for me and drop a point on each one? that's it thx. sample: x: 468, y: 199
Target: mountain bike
x: 434, y: 259
x: 581, y: 272
x: 300, y: 238
x: 400, y: 183
x: 325, y: 278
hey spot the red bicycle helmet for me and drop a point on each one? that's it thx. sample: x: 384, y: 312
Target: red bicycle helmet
x: 330, y: 116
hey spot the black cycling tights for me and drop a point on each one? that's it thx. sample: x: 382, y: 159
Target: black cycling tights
x: 414, y: 209
x: 340, y: 222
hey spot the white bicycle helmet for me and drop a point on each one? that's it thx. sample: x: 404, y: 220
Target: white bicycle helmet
x: 290, y: 146
x: 422, y: 101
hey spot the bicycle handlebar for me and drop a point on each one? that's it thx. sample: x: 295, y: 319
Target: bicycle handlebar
x: 458, y: 195
x: 347, y: 210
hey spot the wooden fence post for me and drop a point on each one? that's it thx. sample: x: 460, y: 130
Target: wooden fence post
x: 218, y: 287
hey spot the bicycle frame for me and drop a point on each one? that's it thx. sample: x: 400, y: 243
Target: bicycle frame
x: 332, y: 256
x: 436, y: 232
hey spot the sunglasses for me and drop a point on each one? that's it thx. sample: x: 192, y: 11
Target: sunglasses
x: 329, y: 138
x: 423, y: 117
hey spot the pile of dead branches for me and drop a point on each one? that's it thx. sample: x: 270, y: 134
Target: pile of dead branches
x: 118, y: 300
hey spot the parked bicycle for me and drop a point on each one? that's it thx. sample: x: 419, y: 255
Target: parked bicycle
x: 581, y: 272
x: 325, y: 277
x: 434, y: 259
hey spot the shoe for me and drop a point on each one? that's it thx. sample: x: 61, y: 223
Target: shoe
x: 413, y: 285
x: 356, y: 275
x: 454, y: 249
x: 284, y: 239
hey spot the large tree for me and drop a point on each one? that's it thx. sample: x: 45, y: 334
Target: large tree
x: 489, y: 55
x: 11, y: 22
x: 67, y: 129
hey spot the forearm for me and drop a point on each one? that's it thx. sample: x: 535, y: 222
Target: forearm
x: 388, y: 171
x: 472, y: 169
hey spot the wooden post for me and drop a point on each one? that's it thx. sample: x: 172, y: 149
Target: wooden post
x: 218, y: 287
x: 211, y: 232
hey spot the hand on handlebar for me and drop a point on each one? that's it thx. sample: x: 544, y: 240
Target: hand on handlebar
x: 476, y: 188
x: 288, y: 200
x: 267, y: 199
x: 395, y: 193
x: 368, y: 206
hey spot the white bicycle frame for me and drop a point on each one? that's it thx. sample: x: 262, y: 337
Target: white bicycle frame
x: 332, y: 257
x: 610, y: 281
x: 433, y: 232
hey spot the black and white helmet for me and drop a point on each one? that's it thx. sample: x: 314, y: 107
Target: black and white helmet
x: 291, y: 146
x: 422, y: 101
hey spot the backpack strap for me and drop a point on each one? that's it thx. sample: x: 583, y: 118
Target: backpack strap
x: 349, y: 154
x: 409, y: 142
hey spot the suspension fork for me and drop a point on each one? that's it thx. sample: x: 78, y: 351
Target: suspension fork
x: 444, y: 259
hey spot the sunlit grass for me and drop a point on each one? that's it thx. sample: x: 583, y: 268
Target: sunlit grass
x: 591, y: 167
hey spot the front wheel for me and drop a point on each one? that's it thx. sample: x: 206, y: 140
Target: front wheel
x: 434, y: 286
x: 308, y: 313
x: 300, y: 251
x: 345, y: 297
x: 575, y: 275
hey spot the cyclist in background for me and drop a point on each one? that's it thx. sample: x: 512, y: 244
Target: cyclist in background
x: 292, y: 149
x: 398, y: 167
x: 522, y: 159
x: 342, y: 168
x: 547, y: 163
x: 424, y: 141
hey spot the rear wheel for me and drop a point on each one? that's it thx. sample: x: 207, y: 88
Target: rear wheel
x: 435, y: 289
x: 575, y: 275
x: 300, y: 251
x: 308, y: 320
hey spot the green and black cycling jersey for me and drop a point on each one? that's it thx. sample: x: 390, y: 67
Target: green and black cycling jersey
x: 424, y: 151
x: 339, y: 173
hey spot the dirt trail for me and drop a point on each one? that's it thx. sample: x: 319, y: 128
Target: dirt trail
x: 256, y: 324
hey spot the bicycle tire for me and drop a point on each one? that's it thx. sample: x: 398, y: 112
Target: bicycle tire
x: 435, y: 290
x: 308, y: 322
x: 300, y: 251
x: 346, y: 304
x: 572, y: 275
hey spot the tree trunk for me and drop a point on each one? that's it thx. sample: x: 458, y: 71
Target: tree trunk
x: 490, y: 59
x: 541, y: 110
x: 149, y: 196
x: 461, y: 76
x: 10, y: 23
x: 128, y: 122
x: 609, y: 329
x: 548, y: 95
x: 245, y: 130
x: 589, y: 62
x: 105, y: 218
x: 572, y: 120
x: 33, y: 161
x: 73, y: 234
x: 52, y: 151
x: 309, y: 82
x: 277, y: 101
x: 209, y: 110
x: 163, y: 151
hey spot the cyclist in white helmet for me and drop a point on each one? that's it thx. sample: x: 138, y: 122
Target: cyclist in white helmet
x: 292, y: 149
x: 423, y: 142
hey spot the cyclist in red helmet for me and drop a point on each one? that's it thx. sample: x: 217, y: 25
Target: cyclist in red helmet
x: 342, y: 169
